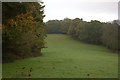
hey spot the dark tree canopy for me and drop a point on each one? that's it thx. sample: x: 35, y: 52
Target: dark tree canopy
x: 94, y: 32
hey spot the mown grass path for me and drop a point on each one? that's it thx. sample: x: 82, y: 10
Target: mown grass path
x: 67, y: 58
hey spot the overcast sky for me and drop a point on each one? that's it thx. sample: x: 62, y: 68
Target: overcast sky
x: 102, y: 10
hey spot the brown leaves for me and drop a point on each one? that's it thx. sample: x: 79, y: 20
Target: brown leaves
x: 31, y: 69
x: 25, y: 72
x: 23, y: 68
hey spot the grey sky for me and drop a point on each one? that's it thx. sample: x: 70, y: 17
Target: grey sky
x: 102, y: 10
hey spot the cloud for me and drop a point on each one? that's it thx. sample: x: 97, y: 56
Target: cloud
x: 94, y: 10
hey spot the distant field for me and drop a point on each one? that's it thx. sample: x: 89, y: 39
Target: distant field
x: 67, y: 58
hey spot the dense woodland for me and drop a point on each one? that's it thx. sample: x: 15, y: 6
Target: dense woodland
x: 94, y: 32
x: 22, y: 30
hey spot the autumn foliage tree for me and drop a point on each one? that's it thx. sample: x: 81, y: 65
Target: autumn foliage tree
x: 23, y: 35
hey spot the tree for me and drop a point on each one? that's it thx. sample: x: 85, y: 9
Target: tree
x: 110, y: 35
x: 23, y: 33
x: 65, y: 25
x: 53, y: 27
x: 73, y: 25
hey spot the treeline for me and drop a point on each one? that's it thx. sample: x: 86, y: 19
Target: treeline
x: 94, y: 32
x: 22, y: 30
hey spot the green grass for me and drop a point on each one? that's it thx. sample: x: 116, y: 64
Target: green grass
x: 67, y: 58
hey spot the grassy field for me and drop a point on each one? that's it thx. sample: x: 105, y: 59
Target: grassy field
x: 67, y: 58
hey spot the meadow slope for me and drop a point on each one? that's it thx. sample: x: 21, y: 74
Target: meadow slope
x: 66, y: 58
